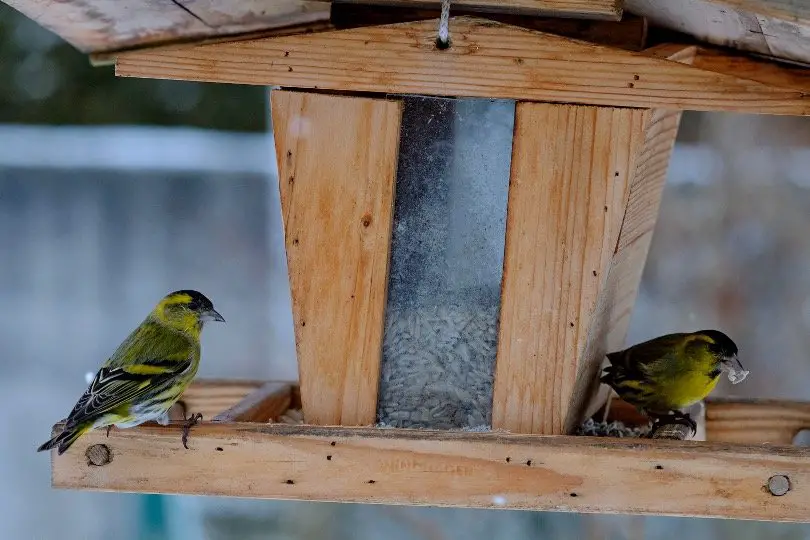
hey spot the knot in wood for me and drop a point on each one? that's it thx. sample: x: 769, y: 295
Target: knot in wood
x: 98, y: 455
x: 778, y: 484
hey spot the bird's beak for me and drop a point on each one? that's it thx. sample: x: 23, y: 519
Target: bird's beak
x: 736, y: 372
x: 211, y: 315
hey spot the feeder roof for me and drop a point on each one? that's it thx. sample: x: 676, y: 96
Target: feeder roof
x: 778, y: 29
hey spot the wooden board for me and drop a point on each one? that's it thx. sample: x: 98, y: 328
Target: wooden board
x: 755, y: 421
x: 774, y: 28
x: 571, y: 168
x: 94, y: 26
x: 265, y: 404
x: 580, y: 9
x: 488, y: 60
x: 337, y: 160
x: 212, y: 396
x: 746, y: 67
x: 483, y: 470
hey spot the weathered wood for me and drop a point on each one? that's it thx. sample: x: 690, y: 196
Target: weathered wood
x: 95, y: 26
x: 775, y: 28
x: 264, y: 404
x: 580, y: 9
x: 571, y: 169
x: 755, y: 421
x: 485, y: 470
x: 487, y: 60
x: 337, y: 160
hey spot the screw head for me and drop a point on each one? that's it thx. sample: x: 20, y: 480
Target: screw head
x: 778, y: 485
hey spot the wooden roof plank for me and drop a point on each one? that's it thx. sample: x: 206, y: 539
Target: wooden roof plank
x: 578, y: 9
x: 774, y: 28
x: 487, y: 59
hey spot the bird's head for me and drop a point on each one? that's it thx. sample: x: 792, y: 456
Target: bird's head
x: 186, y: 310
x: 724, y: 350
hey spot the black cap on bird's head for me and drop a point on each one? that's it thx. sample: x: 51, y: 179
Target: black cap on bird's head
x: 721, y: 344
x: 196, y: 302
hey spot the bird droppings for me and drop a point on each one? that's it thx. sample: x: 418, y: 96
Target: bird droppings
x: 631, y: 85
x: 529, y: 463
x: 659, y: 467
x: 333, y: 443
x: 289, y: 68
x: 287, y: 53
x: 219, y: 449
x: 572, y: 494
x: 499, y: 500
x: 372, y: 482
x: 290, y: 482
x: 636, y: 77
x: 508, y: 459
x: 328, y: 458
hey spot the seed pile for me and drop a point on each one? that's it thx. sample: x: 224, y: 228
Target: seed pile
x: 438, y: 367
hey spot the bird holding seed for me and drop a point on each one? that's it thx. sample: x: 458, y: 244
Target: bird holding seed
x: 147, y: 374
x: 669, y: 373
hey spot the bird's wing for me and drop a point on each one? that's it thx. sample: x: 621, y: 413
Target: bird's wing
x: 638, y: 360
x: 113, y: 387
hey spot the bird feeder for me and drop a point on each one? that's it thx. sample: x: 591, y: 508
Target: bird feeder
x: 598, y: 93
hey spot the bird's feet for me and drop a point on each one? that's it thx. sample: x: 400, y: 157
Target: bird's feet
x: 190, y: 421
x: 108, y: 429
x: 676, y: 417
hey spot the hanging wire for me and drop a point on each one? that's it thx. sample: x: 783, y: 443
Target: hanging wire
x: 443, y: 41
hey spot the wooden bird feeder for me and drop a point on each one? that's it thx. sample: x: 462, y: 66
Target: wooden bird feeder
x: 598, y: 91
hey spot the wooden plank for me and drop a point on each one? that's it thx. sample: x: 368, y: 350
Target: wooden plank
x: 95, y: 26
x: 413, y: 467
x: 579, y: 9
x: 755, y: 421
x: 264, y: 404
x: 488, y: 60
x: 571, y: 167
x: 337, y: 159
x: 746, y: 67
x: 212, y: 396
x: 629, y: 33
x: 775, y: 28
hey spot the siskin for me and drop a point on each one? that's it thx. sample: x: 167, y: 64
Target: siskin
x: 669, y: 373
x: 148, y: 372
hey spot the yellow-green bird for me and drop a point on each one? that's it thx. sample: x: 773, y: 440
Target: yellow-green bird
x: 669, y: 373
x: 148, y: 372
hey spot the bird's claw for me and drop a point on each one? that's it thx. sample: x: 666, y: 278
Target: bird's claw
x: 190, y: 421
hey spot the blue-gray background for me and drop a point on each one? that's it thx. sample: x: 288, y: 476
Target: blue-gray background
x: 115, y: 191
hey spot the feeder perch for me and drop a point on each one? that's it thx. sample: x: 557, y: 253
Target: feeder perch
x: 598, y: 93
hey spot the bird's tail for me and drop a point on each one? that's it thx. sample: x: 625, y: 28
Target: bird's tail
x: 66, y: 438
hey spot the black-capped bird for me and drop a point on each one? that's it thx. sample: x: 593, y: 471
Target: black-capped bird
x: 148, y: 372
x: 669, y: 373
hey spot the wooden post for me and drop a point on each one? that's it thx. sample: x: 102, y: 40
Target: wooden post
x: 571, y: 171
x: 337, y: 159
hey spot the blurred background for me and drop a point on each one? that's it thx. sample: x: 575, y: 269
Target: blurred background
x: 115, y: 191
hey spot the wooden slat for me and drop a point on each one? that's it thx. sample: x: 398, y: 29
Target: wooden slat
x: 745, y: 67
x: 212, y: 396
x: 580, y: 9
x: 337, y: 159
x: 571, y: 167
x: 95, y: 26
x: 484, y: 470
x: 488, y: 60
x: 775, y: 28
x: 629, y: 33
x: 755, y: 421
x: 627, y: 264
x: 264, y: 404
